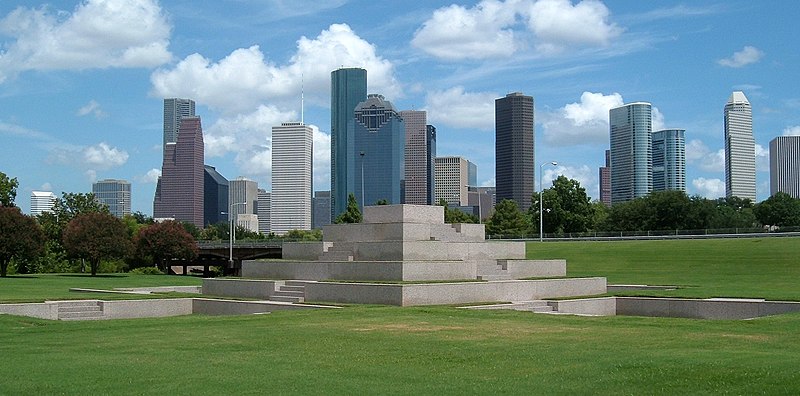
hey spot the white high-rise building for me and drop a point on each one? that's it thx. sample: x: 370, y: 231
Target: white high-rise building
x: 116, y: 194
x: 42, y: 201
x: 784, y: 165
x: 243, y: 200
x: 292, y: 150
x: 740, y: 156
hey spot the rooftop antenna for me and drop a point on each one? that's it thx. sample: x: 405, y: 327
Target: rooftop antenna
x: 302, y: 99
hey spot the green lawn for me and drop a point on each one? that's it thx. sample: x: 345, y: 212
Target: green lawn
x: 393, y: 350
x: 759, y: 267
x: 41, y: 287
x: 429, y: 350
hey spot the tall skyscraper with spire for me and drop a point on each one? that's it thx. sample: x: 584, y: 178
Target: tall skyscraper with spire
x: 180, y: 190
x: 630, y: 133
x: 514, y: 149
x: 348, y: 89
x: 174, y: 110
x: 740, y: 155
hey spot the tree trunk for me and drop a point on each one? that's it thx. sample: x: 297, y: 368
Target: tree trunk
x: 94, y: 264
x: 3, y: 267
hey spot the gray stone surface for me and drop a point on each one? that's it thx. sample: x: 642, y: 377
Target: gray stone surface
x: 404, y: 214
x: 155, y: 308
x: 702, y: 309
x: 47, y: 310
x: 206, y: 306
x: 606, y: 306
x: 242, y: 288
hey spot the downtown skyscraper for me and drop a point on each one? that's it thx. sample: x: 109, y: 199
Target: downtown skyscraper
x: 174, y: 110
x: 417, y: 162
x: 292, y: 152
x: 116, y: 194
x: 669, y: 160
x: 514, y: 149
x: 378, y: 152
x: 784, y: 165
x: 740, y: 155
x: 348, y: 89
x: 180, y: 190
x: 630, y: 132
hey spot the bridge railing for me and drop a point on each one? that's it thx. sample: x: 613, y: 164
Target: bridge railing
x: 219, y: 244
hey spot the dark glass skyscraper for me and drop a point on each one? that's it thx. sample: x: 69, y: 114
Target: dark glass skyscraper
x: 430, y: 158
x: 215, y: 201
x: 348, y: 89
x: 379, y: 137
x: 514, y: 149
x: 669, y: 160
x: 180, y: 192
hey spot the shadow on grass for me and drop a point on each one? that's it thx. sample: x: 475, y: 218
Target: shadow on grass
x: 96, y: 276
x: 22, y: 277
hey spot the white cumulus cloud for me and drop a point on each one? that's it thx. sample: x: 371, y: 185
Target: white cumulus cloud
x: 559, y: 24
x: 742, y: 58
x: 98, y: 157
x: 457, y: 108
x: 709, y: 188
x: 322, y: 157
x: 697, y: 153
x: 792, y: 131
x: 96, y: 34
x: 495, y: 28
x: 150, y: 177
x: 92, y: 108
x: 245, y: 79
x: 580, y: 122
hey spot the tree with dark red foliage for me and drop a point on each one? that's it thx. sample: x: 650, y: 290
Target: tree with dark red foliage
x: 164, y: 242
x: 20, y: 237
x: 96, y: 236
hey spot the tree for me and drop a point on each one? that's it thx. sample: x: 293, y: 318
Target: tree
x: 66, y: 208
x: 454, y: 216
x: 20, y: 237
x: 779, y: 210
x: 351, y: 214
x: 382, y: 201
x: 164, y: 242
x: 8, y: 190
x: 508, y: 221
x: 568, y: 208
x: 304, y: 235
x: 96, y: 236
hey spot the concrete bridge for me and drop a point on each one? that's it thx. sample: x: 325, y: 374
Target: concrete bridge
x: 218, y: 253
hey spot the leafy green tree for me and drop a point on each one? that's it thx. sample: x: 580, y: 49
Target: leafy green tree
x: 67, y: 208
x: 191, y: 229
x: 351, y: 214
x: 382, y: 201
x: 20, y: 237
x: 455, y: 216
x: 164, y: 242
x: 733, y: 212
x: 666, y: 210
x: 8, y: 190
x: 142, y: 218
x: 779, y: 210
x: 304, y: 235
x: 96, y: 236
x: 508, y: 221
x: 567, y: 207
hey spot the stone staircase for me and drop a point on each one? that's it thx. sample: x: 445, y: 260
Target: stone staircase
x: 80, y: 310
x: 290, y: 291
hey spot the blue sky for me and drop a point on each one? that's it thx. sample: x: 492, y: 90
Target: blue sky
x: 82, y: 81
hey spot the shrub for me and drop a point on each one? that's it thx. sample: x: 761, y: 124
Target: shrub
x: 146, y: 271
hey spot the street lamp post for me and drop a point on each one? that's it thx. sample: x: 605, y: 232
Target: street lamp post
x: 362, y: 154
x: 231, y: 232
x: 541, y: 195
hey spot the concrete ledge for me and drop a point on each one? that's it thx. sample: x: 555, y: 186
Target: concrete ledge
x: 46, y: 310
x: 207, y: 306
x: 302, y: 250
x: 156, y: 308
x: 606, y: 306
x: 404, y: 214
x: 452, y: 293
x: 353, y: 270
x: 702, y: 309
x: 243, y: 288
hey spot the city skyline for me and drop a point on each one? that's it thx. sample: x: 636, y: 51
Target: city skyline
x: 102, y: 100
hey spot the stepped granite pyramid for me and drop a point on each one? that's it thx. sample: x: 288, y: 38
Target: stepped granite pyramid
x: 400, y: 247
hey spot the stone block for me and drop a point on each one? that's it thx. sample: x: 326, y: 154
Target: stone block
x: 303, y: 250
x: 427, y: 214
x: 355, y: 293
x: 243, y: 288
x: 606, y: 306
x: 157, y: 308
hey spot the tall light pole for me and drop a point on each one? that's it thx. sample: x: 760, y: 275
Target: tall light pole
x: 363, y: 193
x: 231, y: 231
x: 541, y: 195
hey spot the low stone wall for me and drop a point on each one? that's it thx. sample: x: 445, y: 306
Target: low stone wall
x: 452, y: 293
x: 207, y: 306
x: 358, y: 270
x: 243, y: 288
x: 46, y: 310
x: 606, y: 306
x: 703, y: 309
x: 156, y: 308
x: 302, y: 250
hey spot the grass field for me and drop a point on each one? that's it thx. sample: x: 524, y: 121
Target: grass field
x: 760, y: 267
x: 41, y: 287
x: 427, y: 350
